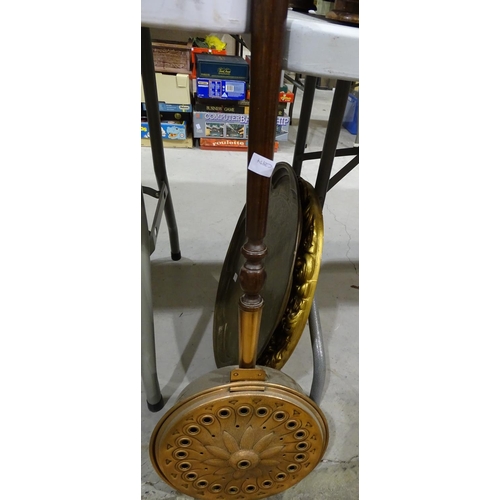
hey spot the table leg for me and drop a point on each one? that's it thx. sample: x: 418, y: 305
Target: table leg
x: 332, y: 134
x: 151, y: 98
x: 305, y: 117
x: 322, y: 185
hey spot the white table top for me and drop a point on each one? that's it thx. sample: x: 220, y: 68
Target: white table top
x: 321, y: 48
x: 203, y: 16
x: 312, y: 46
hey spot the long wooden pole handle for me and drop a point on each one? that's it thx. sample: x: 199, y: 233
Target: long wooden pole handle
x: 268, y: 21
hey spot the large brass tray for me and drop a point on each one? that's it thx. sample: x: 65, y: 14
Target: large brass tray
x: 305, y: 277
x: 282, y: 239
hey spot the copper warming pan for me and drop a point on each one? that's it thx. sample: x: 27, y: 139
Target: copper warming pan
x: 245, y: 431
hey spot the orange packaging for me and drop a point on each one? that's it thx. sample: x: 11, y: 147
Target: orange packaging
x: 227, y: 144
x: 283, y: 96
x: 286, y: 97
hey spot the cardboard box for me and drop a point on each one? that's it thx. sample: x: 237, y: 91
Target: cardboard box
x: 172, y: 57
x: 286, y: 97
x: 238, y: 107
x: 221, y: 89
x: 172, y: 88
x: 178, y: 112
x: 282, y: 126
x: 283, y: 97
x: 351, y: 114
x: 218, y: 106
x: 185, y: 143
x: 282, y: 109
x: 221, y: 67
x: 227, y: 144
x: 202, y: 50
x: 231, y: 125
x: 170, y: 130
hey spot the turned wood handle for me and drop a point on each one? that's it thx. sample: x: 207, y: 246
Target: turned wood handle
x: 268, y: 22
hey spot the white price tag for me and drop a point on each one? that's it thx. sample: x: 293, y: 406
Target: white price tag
x: 262, y: 166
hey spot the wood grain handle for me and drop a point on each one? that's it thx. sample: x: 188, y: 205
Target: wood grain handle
x: 268, y: 22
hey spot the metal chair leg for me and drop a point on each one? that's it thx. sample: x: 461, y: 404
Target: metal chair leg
x: 319, y: 361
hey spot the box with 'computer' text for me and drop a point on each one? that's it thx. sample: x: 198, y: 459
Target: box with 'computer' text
x: 231, y: 125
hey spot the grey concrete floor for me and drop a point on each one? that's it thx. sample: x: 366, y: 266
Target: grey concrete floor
x: 208, y: 190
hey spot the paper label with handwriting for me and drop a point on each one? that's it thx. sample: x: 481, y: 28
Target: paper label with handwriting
x: 261, y: 165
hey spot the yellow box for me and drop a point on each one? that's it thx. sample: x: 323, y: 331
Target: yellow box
x: 172, y: 89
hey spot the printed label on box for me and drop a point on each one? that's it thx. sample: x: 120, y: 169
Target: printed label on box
x: 221, y: 89
x: 233, y: 125
x: 226, y: 67
x: 228, y: 144
x: 169, y: 130
x: 214, y: 106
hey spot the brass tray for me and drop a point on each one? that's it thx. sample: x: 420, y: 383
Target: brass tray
x: 282, y: 239
x: 305, y: 277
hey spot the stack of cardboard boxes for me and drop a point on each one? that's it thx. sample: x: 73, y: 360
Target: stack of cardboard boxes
x: 205, y: 94
x: 222, y: 105
x: 172, y: 68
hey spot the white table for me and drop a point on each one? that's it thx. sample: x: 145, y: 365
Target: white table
x: 312, y: 46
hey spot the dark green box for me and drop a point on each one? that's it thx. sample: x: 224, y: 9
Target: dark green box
x: 221, y: 67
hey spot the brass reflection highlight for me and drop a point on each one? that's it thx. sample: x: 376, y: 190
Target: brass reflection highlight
x: 249, y: 326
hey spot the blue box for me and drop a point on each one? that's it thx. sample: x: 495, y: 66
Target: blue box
x: 351, y: 115
x: 233, y: 90
x: 217, y: 66
x: 170, y: 130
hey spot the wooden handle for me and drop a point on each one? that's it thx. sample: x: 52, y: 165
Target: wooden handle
x: 268, y: 21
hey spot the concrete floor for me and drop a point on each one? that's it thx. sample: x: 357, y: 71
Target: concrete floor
x: 208, y: 190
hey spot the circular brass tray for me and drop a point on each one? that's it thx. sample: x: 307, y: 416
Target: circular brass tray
x: 282, y: 239
x: 305, y: 277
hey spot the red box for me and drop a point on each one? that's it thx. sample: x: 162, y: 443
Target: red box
x: 286, y: 97
x: 222, y: 144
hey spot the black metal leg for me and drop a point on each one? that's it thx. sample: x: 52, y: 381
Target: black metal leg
x: 331, y: 138
x: 343, y: 172
x: 305, y: 117
x: 151, y: 98
x: 323, y: 184
x: 296, y: 85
